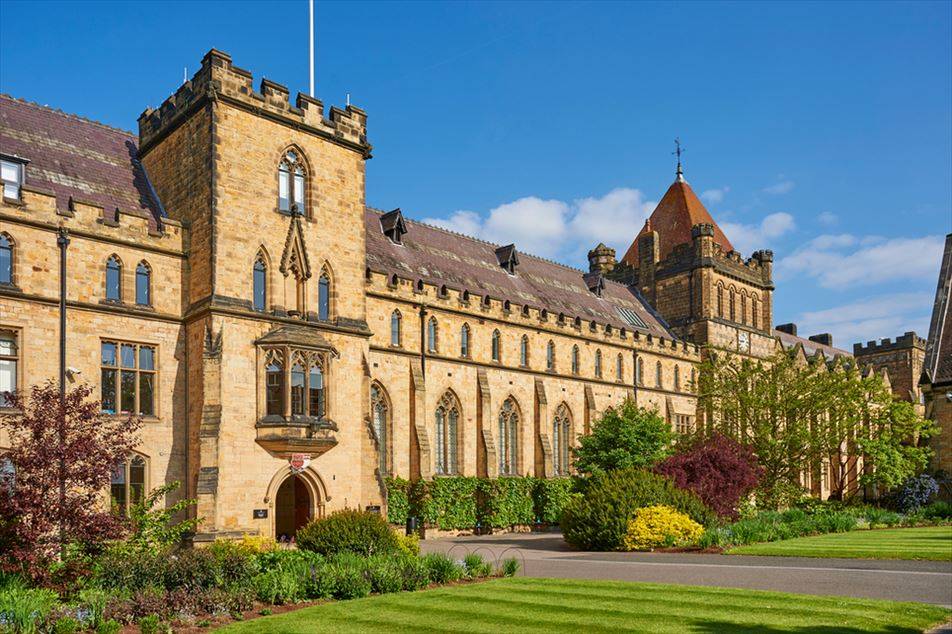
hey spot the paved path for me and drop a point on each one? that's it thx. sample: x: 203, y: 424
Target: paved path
x: 547, y: 555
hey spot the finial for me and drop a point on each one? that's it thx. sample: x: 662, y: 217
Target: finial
x: 677, y: 150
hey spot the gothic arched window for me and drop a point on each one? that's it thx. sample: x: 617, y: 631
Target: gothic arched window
x: 574, y: 359
x: 6, y: 259
x: 720, y: 301
x: 431, y: 334
x: 274, y: 383
x: 260, y: 284
x: 561, y: 440
x: 550, y: 356
x: 620, y: 368
x: 114, y: 278
x: 508, y: 438
x: 447, y: 435
x: 324, y: 297
x: 733, y: 316
x: 143, y: 284
x: 291, y: 187
x: 496, y: 344
x: 298, y: 385
x: 743, y: 308
x: 640, y: 371
x: 127, y: 486
x: 380, y: 412
x: 658, y: 374
x: 524, y: 351
x: 677, y: 379
x: 395, y: 328
x: 316, y: 402
x: 598, y: 363
x: 754, y: 309
x: 464, y: 341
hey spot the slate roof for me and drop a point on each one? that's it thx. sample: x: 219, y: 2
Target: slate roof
x: 678, y: 211
x: 937, y: 368
x: 439, y: 257
x: 810, y: 347
x: 73, y: 156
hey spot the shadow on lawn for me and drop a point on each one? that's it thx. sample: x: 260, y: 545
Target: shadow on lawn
x: 734, y: 628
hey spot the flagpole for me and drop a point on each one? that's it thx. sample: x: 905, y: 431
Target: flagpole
x: 311, y: 33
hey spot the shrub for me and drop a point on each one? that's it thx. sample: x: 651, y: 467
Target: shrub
x: 150, y: 625
x: 278, y: 586
x: 398, y: 500
x: 93, y: 602
x: 625, y: 437
x: 476, y: 567
x: 415, y: 573
x: 916, y: 492
x: 550, y: 497
x: 510, y: 567
x: 109, y: 627
x: 350, y: 581
x: 121, y: 566
x: 598, y: 519
x: 23, y: 609
x: 449, y: 503
x: 441, y: 568
x: 505, y: 502
x: 66, y: 625
x: 720, y: 470
x: 349, y: 531
x: 385, y: 574
x: 937, y: 511
x: 655, y: 526
x: 409, y: 544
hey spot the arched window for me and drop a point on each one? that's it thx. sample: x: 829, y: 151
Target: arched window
x: 640, y: 371
x: 431, y: 335
x: 550, y: 356
x: 508, y: 438
x: 720, y: 301
x: 620, y: 368
x: 291, y: 186
x: 730, y: 292
x: 324, y: 296
x: 143, y: 284
x: 447, y: 435
x: 598, y: 363
x: 395, y: 328
x: 260, y: 282
x: 524, y: 351
x: 754, y: 308
x: 561, y: 440
x: 743, y: 308
x: 693, y: 381
x: 658, y: 374
x: 128, y: 484
x: 6, y: 259
x: 574, y: 359
x: 114, y: 279
x: 380, y: 412
x: 464, y: 341
x: 496, y: 352
x: 274, y: 383
x: 316, y: 401
x: 677, y: 379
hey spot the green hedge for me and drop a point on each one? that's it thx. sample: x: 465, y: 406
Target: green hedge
x: 460, y: 502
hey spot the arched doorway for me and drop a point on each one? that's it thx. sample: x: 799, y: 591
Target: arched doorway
x: 293, y: 507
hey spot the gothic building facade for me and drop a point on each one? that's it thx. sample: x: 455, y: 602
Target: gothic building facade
x: 287, y: 347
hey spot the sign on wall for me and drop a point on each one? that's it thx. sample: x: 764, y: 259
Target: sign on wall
x: 299, y: 462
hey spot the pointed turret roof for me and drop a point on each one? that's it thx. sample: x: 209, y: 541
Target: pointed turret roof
x: 679, y: 210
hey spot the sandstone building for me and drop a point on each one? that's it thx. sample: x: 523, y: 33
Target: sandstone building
x: 936, y: 379
x: 287, y: 346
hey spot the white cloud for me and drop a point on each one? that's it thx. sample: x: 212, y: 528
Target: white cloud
x: 828, y: 218
x: 780, y: 187
x: 553, y: 228
x: 840, y: 261
x: 869, y: 319
x: 715, y: 195
x: 748, y: 238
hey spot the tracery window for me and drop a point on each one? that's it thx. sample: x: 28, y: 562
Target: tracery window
x: 447, y: 435
x: 128, y: 378
x: 294, y: 383
x: 496, y: 352
x: 508, y: 438
x: 127, y: 486
x: 380, y: 412
x: 561, y: 440
x: 114, y: 278
x: 431, y: 334
x: 6, y: 259
x: 143, y: 284
x: 291, y: 185
x: 396, y: 321
x: 464, y: 341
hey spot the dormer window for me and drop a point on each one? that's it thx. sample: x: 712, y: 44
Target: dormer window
x: 508, y: 258
x: 393, y: 225
x: 291, y: 186
x: 596, y: 284
x: 11, y: 173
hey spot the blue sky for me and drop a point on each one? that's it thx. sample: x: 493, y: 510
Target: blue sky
x: 821, y: 131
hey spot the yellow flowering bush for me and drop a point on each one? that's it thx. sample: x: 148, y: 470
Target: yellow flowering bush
x: 657, y: 526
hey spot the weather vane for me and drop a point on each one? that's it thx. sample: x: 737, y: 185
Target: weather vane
x: 677, y: 150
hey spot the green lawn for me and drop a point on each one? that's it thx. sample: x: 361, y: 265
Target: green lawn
x: 932, y: 542
x: 562, y: 605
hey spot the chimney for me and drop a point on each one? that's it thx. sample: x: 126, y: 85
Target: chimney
x: 825, y: 338
x: 790, y: 329
x: 601, y: 259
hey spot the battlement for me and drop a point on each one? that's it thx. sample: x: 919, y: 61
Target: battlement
x: 219, y: 79
x: 906, y: 341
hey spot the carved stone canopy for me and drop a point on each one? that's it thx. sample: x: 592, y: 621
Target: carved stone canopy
x: 297, y: 337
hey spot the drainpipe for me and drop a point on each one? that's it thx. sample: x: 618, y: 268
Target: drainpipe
x: 62, y: 241
x: 423, y: 314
